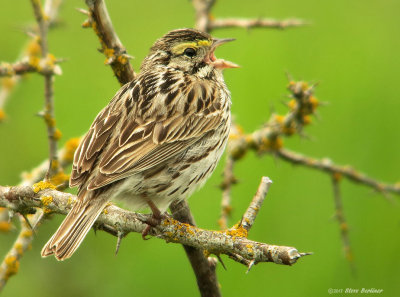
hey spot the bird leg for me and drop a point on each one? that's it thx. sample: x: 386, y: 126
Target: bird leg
x: 154, y: 220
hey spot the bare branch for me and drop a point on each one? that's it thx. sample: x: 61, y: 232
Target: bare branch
x: 5, y: 220
x: 65, y: 157
x: 254, y: 23
x: 29, y: 53
x: 204, y: 21
x: 22, y: 199
x: 45, y: 67
x: 18, y: 68
x: 328, y: 166
x: 51, y: 10
x: 10, y: 264
x: 202, y: 14
x: 269, y: 139
x: 111, y: 46
x: 251, y: 213
x: 344, y: 228
x: 53, y: 134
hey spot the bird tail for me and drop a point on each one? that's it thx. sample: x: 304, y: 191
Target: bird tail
x: 74, y: 228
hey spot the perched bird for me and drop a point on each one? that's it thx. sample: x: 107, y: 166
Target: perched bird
x: 158, y: 140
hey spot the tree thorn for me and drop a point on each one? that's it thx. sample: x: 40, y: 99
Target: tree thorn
x: 251, y: 264
x: 35, y: 224
x: 11, y: 214
x: 222, y: 262
x: 120, y: 235
x: 129, y: 57
x: 84, y: 11
x: 109, y: 60
x: 28, y: 223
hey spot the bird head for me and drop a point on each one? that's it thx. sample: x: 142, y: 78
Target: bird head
x: 188, y: 50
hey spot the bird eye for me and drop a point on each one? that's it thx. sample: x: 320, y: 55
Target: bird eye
x: 190, y: 52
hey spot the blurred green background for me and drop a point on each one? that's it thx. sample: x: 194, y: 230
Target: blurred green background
x: 352, y: 48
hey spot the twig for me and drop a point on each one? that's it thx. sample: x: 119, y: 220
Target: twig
x: 51, y: 9
x: 268, y: 139
x: 226, y: 186
x: 251, y: 213
x: 25, y: 236
x: 17, y: 68
x: 348, y: 172
x: 243, y: 227
x: 10, y: 264
x: 254, y: 23
x: 45, y: 67
x: 5, y: 221
x: 344, y: 228
x: 65, y: 157
x: 203, y: 267
x: 202, y: 14
x: 204, y: 21
x: 52, y: 133
x: 22, y: 199
x: 111, y: 46
x: 30, y: 53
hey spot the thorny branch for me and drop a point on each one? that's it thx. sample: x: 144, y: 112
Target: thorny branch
x: 30, y: 59
x: 53, y: 134
x: 268, y: 139
x: 206, y: 22
x: 111, y: 46
x: 254, y: 23
x: 251, y: 213
x: 10, y: 264
x: 47, y: 67
x: 44, y: 66
x: 326, y: 165
x: 22, y: 199
x: 344, y: 228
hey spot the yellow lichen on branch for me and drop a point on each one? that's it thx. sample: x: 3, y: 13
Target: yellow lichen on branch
x: 116, y: 56
x: 46, y: 200
x: 236, y: 231
x: 59, y: 178
x: 69, y: 149
x: 42, y: 185
x: 12, y: 266
x: 2, y: 115
x: 5, y: 226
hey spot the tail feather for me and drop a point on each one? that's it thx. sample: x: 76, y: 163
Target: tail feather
x: 74, y: 228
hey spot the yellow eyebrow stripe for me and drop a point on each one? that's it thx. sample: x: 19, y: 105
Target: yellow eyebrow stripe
x: 179, y: 49
x: 204, y: 43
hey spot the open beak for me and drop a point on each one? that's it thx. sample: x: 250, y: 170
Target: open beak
x: 219, y: 63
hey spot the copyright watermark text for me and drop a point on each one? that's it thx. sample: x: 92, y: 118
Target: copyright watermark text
x: 354, y: 291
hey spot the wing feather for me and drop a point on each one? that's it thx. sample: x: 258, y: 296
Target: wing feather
x: 125, y: 139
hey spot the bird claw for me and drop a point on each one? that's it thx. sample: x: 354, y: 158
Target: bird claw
x: 152, y: 222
